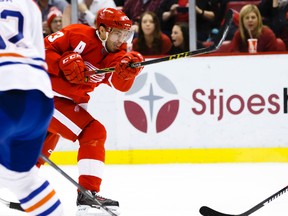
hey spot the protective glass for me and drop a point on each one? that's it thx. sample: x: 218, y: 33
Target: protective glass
x: 118, y: 35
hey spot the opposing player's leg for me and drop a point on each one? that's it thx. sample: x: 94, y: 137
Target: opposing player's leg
x: 73, y: 122
x: 26, y: 115
x: 36, y: 195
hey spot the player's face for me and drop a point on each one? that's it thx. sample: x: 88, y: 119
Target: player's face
x: 177, y: 36
x: 116, y: 38
x: 147, y: 24
x: 250, y: 21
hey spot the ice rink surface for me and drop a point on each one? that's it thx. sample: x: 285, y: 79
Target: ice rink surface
x: 179, y: 189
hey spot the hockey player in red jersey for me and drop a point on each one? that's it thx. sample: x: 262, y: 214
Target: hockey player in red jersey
x: 70, y: 53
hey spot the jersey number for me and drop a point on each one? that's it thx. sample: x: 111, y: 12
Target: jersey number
x: 80, y: 47
x: 14, y: 39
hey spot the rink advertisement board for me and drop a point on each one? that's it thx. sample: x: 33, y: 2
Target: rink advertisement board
x: 197, y: 105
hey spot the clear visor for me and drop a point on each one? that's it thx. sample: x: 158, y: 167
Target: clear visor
x: 121, y: 36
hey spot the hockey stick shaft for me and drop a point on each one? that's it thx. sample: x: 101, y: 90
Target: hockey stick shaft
x: 158, y: 60
x: 206, y: 211
x: 83, y: 190
x: 217, y: 43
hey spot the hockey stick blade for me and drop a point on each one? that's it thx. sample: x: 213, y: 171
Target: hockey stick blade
x: 83, y: 190
x: 217, y: 43
x: 207, y: 211
x: 11, y: 205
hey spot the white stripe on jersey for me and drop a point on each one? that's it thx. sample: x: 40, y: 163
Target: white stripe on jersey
x: 67, y: 122
x: 25, y: 77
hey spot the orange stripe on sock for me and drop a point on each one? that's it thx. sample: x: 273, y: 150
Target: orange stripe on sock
x: 41, y: 202
x: 10, y: 55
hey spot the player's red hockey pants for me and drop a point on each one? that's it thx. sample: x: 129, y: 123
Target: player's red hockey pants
x: 73, y: 122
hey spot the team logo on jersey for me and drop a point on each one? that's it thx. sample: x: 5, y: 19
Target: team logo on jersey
x: 96, y: 77
x: 151, y: 104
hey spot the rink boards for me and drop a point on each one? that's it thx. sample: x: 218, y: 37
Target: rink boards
x: 196, y: 110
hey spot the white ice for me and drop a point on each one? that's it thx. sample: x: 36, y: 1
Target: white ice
x: 178, y: 189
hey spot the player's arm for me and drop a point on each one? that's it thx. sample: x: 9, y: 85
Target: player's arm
x: 73, y: 67
x: 56, y: 45
x: 123, y: 77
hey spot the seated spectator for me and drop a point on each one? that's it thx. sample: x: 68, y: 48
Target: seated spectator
x: 45, y: 7
x: 180, y: 38
x: 54, y: 20
x: 251, y: 26
x: 150, y: 40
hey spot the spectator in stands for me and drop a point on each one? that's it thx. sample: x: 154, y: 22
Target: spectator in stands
x: 274, y: 13
x: 45, y: 7
x: 208, y: 16
x: 251, y: 26
x: 268, y: 10
x: 87, y: 11
x: 170, y: 12
x: 150, y: 40
x: 134, y: 8
x: 180, y: 38
x: 54, y: 20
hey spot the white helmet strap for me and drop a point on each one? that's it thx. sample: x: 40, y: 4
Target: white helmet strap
x: 103, y: 41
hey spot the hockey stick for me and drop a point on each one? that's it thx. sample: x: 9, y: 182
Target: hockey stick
x: 12, y: 205
x: 206, y: 211
x: 217, y: 43
x: 83, y: 190
x: 17, y: 206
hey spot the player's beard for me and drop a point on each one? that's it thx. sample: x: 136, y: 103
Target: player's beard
x: 113, y: 47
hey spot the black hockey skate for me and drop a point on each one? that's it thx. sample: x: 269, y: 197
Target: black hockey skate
x: 88, y: 207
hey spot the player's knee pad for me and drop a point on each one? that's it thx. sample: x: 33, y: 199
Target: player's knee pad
x: 93, y: 131
x: 91, y: 141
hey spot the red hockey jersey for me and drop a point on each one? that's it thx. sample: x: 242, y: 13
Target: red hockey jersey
x: 83, y: 40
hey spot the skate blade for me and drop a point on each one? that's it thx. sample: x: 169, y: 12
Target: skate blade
x: 85, y: 210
